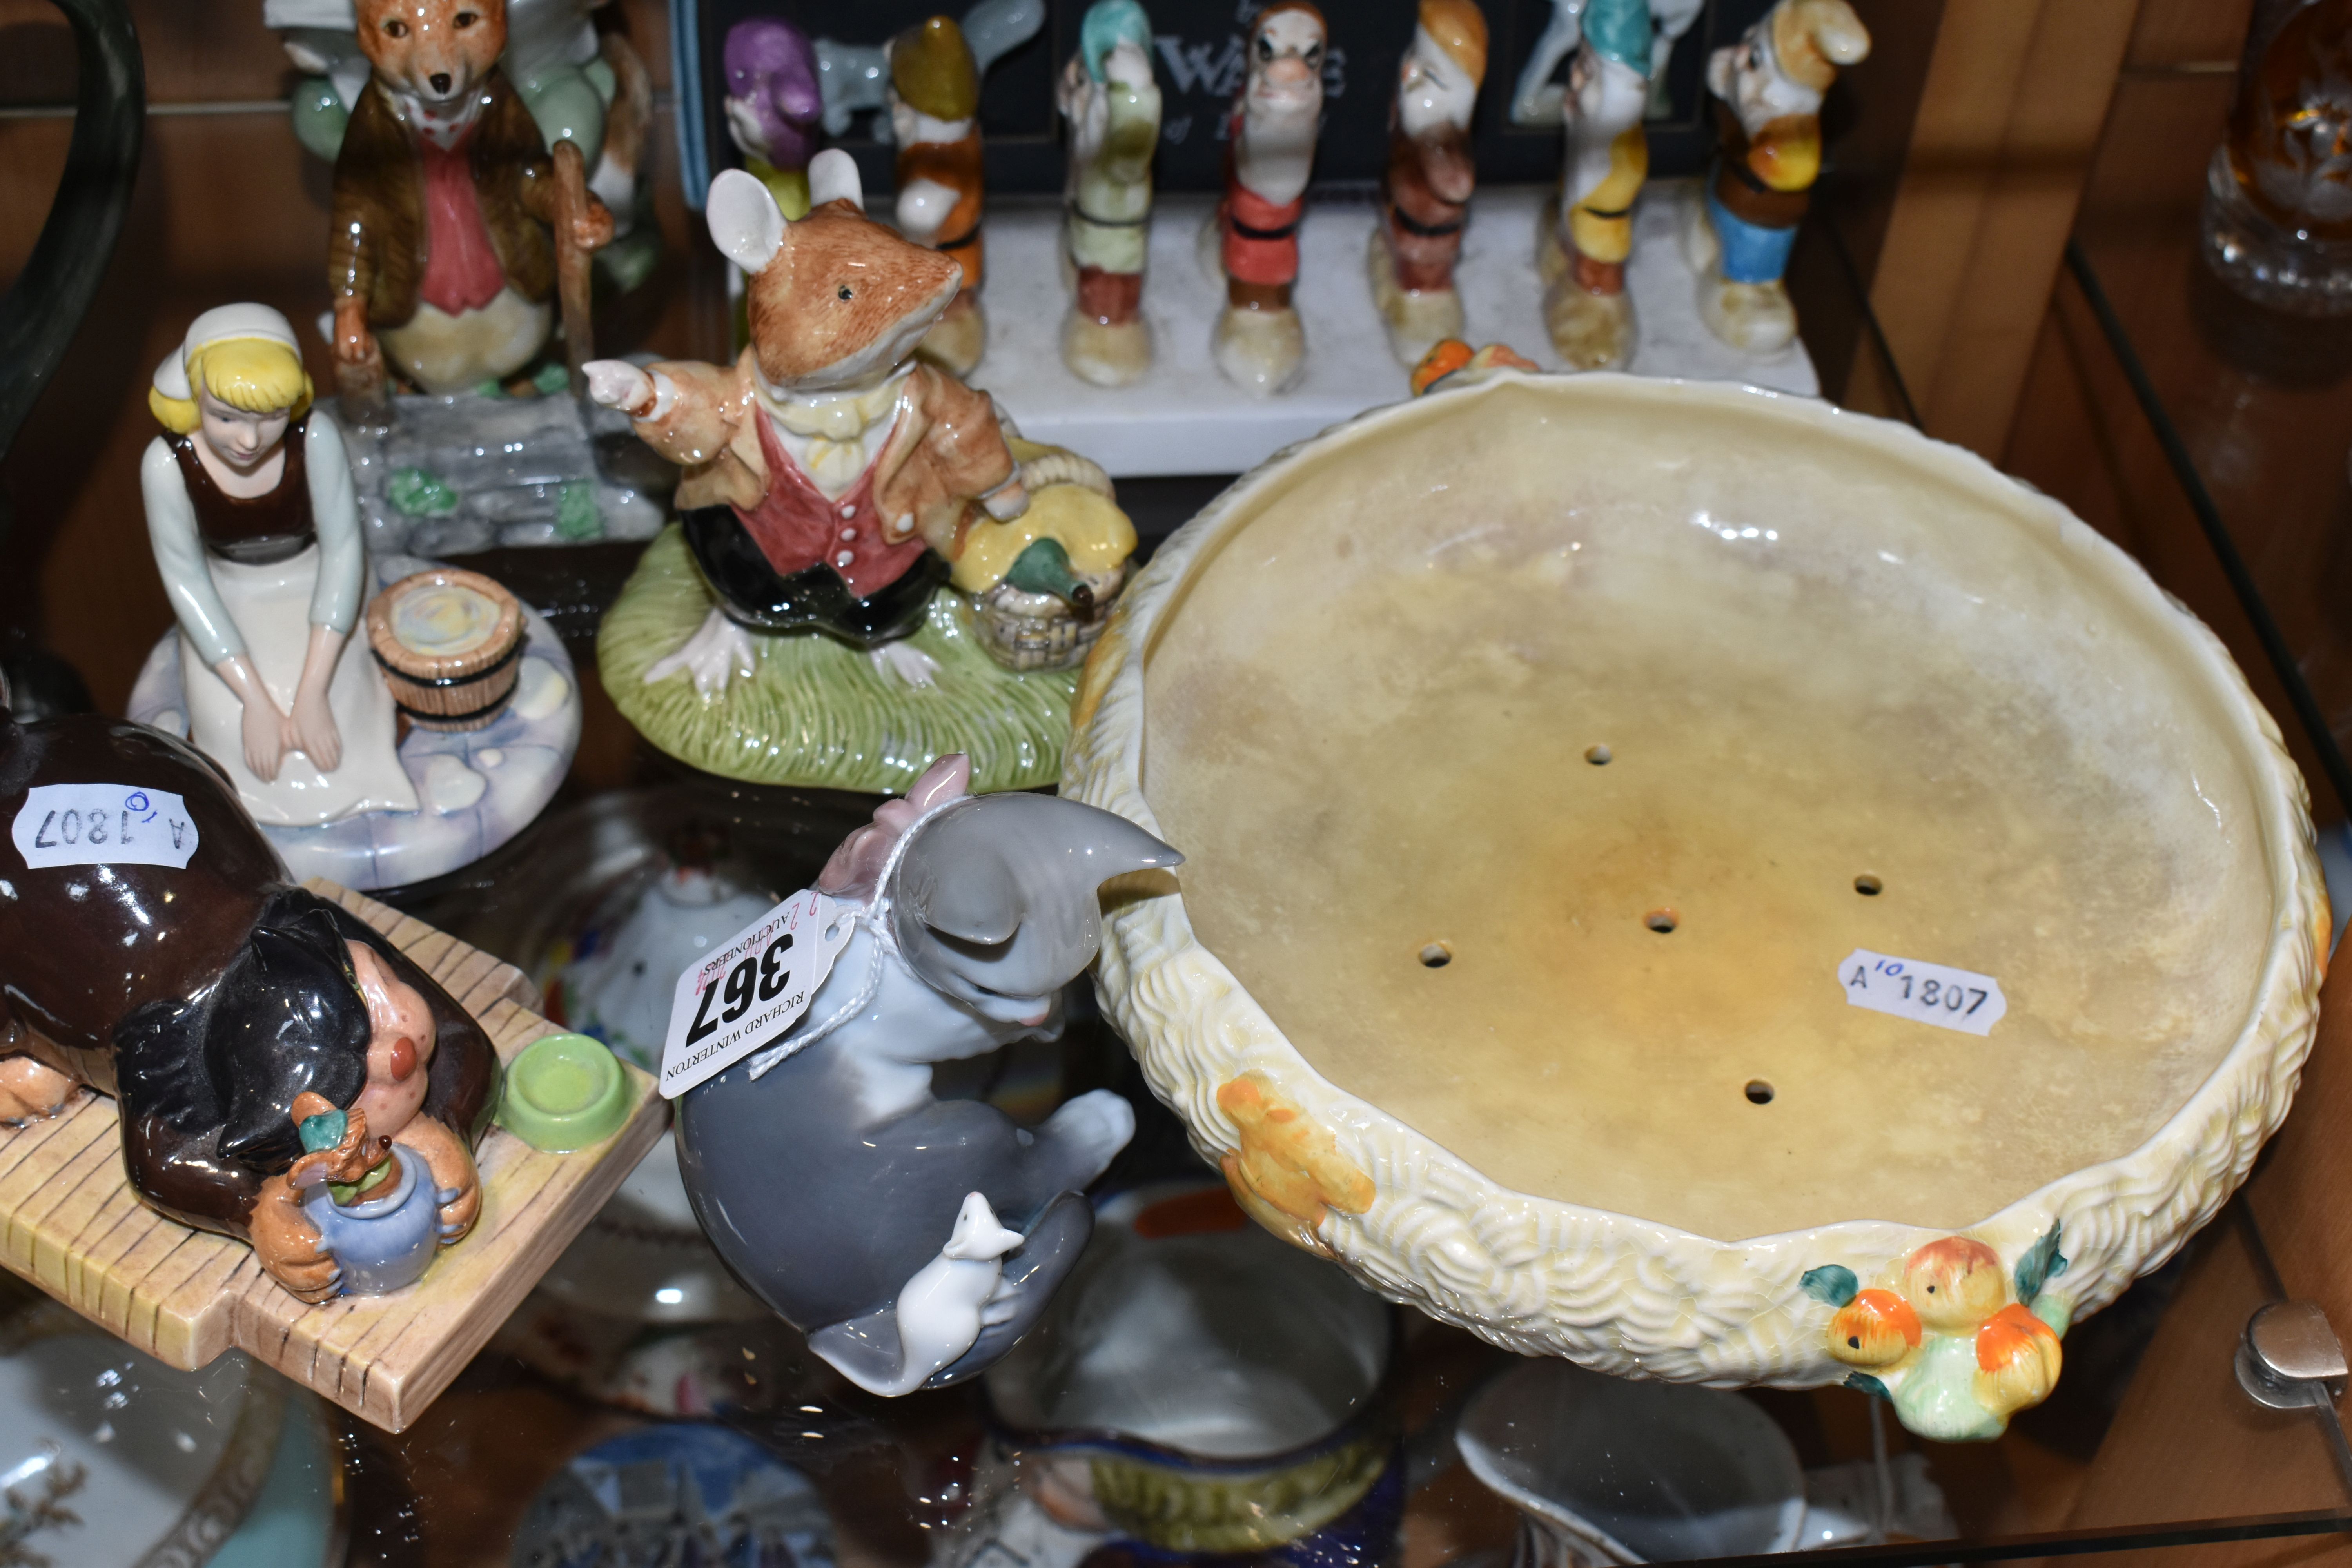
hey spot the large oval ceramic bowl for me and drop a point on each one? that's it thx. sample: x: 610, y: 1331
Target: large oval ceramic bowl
x: 1573, y: 774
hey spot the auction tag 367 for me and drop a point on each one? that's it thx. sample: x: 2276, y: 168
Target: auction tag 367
x: 104, y: 825
x: 744, y: 994
x: 1929, y: 993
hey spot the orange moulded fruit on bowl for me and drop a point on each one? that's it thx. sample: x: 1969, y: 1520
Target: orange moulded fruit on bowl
x: 1955, y: 1283
x: 1876, y: 1329
x: 2018, y: 1360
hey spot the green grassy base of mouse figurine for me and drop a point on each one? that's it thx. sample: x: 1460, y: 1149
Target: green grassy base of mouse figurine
x: 816, y: 712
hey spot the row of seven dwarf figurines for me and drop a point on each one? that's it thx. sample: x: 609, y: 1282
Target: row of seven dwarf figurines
x: 1768, y: 86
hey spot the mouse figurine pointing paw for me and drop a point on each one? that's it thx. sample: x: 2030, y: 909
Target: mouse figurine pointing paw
x: 828, y: 474
x: 835, y: 488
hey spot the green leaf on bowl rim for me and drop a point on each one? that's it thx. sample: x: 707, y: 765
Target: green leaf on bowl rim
x: 2043, y: 1262
x: 1831, y: 1282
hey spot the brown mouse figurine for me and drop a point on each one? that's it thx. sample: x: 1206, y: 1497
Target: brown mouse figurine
x: 444, y: 197
x: 152, y: 948
x: 831, y: 479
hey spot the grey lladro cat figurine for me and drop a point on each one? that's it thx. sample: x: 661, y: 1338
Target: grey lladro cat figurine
x: 915, y: 1239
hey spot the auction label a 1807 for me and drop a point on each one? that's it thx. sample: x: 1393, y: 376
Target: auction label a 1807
x: 1925, y: 993
x: 104, y: 825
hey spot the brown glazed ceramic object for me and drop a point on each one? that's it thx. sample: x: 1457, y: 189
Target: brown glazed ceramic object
x: 438, y: 107
x: 204, y: 997
x: 450, y: 645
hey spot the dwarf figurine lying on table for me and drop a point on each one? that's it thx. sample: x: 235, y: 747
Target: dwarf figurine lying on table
x: 152, y: 950
x: 830, y: 478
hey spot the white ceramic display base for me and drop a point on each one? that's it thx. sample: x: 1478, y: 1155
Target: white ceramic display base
x: 475, y: 788
x: 1183, y: 417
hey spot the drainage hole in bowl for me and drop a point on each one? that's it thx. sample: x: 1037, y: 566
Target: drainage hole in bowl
x: 1598, y: 755
x: 1868, y: 886
x: 1758, y: 1092
x: 1436, y: 955
x: 1660, y: 921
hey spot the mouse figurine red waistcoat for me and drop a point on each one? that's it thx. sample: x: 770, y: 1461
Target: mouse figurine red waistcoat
x: 829, y: 478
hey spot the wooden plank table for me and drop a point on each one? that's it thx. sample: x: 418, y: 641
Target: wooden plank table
x: 70, y: 1223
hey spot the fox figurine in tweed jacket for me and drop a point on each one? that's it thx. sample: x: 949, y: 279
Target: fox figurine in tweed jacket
x: 438, y: 259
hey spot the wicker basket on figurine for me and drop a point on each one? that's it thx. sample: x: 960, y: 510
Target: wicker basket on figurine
x: 450, y: 646
x: 1028, y: 626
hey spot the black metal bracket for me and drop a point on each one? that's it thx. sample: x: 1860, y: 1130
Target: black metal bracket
x: 44, y: 307
x: 2217, y: 531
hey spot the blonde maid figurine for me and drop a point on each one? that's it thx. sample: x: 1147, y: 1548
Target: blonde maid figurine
x: 256, y: 530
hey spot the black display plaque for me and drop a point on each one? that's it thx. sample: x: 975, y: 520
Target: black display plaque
x: 1199, y: 62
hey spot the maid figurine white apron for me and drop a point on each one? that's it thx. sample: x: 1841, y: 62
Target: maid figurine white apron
x: 253, y: 575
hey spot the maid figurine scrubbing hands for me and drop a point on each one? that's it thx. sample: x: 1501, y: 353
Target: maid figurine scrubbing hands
x: 256, y: 530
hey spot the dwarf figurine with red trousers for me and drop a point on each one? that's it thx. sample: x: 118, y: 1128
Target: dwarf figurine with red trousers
x: 1259, y: 343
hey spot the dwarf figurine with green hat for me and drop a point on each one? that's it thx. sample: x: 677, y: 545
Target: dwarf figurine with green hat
x: 1586, y: 237
x: 1112, y: 104
x: 934, y: 102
